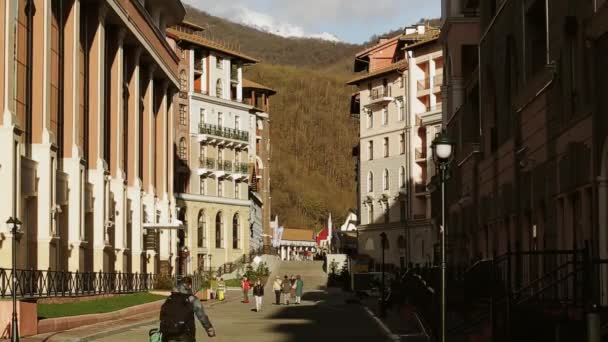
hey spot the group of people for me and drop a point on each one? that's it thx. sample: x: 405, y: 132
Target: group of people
x: 258, y: 292
x: 288, y: 288
x: 301, y: 255
x: 177, y: 316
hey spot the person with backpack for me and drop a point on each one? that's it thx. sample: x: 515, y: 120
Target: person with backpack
x: 258, y: 293
x: 177, y: 315
x: 245, y: 285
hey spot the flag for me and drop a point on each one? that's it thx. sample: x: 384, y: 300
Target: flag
x: 329, y: 230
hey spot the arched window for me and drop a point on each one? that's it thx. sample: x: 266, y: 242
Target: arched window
x: 183, y: 153
x: 219, y: 89
x: 402, y: 177
x: 370, y: 182
x: 202, y: 229
x: 219, y: 230
x: 236, y: 223
x: 385, y: 180
x: 183, y: 81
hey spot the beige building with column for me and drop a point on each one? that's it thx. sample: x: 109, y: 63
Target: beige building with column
x: 398, y: 104
x: 87, y: 90
x: 215, y: 150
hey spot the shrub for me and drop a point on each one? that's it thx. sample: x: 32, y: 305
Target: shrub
x: 164, y: 282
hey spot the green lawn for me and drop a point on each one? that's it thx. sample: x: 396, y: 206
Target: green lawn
x: 95, y: 306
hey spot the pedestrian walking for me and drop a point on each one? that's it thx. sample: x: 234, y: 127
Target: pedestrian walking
x: 276, y: 286
x: 286, y: 288
x: 245, y: 286
x: 258, y: 294
x: 221, y: 289
x: 177, y: 315
x: 299, y: 289
x: 292, y: 290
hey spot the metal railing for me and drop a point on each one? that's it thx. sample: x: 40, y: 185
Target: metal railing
x: 224, y: 132
x: 38, y: 284
x: 380, y: 92
x: 224, y: 165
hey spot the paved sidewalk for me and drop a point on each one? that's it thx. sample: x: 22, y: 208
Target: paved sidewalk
x: 324, y: 315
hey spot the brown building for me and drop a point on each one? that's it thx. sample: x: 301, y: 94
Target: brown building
x: 86, y: 92
x: 258, y: 96
x: 525, y: 103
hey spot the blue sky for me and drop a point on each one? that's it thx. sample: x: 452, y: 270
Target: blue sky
x: 349, y: 20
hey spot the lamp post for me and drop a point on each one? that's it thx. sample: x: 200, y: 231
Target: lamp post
x: 13, y: 224
x: 442, y: 152
x: 382, y: 307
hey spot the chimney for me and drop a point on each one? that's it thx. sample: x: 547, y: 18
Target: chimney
x: 410, y: 30
x: 420, y: 29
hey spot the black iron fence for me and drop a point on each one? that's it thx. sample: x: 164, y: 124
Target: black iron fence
x: 38, y: 284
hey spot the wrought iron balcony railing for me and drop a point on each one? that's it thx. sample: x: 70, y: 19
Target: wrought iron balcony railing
x: 380, y: 92
x: 224, y: 132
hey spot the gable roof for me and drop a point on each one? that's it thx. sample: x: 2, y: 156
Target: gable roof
x: 254, y: 85
x: 401, y: 65
x: 188, y: 35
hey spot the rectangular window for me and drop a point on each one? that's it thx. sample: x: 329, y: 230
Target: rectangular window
x: 182, y: 115
x: 236, y: 190
x: 370, y: 150
x: 219, y: 62
x: 203, y: 186
x: 202, y: 153
x: 536, y: 38
x: 220, y: 188
x: 386, y: 147
x: 384, y: 116
x: 370, y: 119
x: 400, y: 110
x: 202, y: 116
x: 402, y: 143
x: 237, y: 122
x: 220, y: 119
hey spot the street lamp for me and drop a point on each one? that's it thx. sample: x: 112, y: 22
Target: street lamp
x: 13, y: 224
x: 382, y: 307
x: 442, y: 152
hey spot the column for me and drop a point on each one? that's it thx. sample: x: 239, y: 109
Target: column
x: 239, y: 87
x: 134, y: 143
x: 72, y: 116
x: 96, y: 164
x: 161, y: 145
x: 117, y: 113
x: 42, y: 151
x: 602, y: 192
x: 148, y: 129
x: 190, y: 72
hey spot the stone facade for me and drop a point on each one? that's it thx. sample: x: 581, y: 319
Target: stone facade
x: 75, y: 80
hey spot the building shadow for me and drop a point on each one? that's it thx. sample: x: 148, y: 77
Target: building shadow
x: 330, y: 318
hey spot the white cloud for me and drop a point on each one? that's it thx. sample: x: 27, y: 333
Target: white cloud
x: 264, y: 22
x: 349, y: 19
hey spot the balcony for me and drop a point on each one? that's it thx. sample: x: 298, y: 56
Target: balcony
x: 424, y: 84
x: 420, y: 155
x: 437, y: 82
x: 212, y: 167
x: 380, y: 95
x: 223, y: 136
x: 198, y: 66
x: 420, y: 189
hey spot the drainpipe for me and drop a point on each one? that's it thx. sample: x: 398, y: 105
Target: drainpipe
x: 548, y: 57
